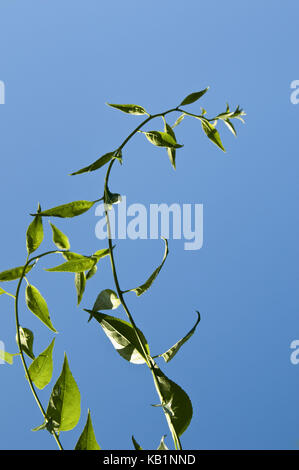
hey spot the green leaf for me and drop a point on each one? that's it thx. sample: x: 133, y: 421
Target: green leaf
x: 162, y: 445
x: 7, y: 357
x: 14, y: 273
x: 129, y: 108
x: 87, y: 440
x: 96, y: 165
x: 106, y: 300
x: 37, y: 304
x: 135, y: 444
x: 75, y: 265
x: 26, y: 339
x: 144, y: 287
x: 193, y: 97
x: 170, y: 151
x: 179, y: 120
x: 91, y: 272
x: 227, y: 115
x: 59, y: 238
x: 78, y: 263
x: 72, y: 209
x: 161, y: 139
x: 123, y: 337
x: 212, y: 133
x: 80, y: 282
x: 111, y: 198
x: 168, y: 355
x: 230, y: 125
x: 35, y: 233
x: 43, y: 426
x: 70, y: 255
x: 102, y: 253
x: 64, y: 406
x: 176, y: 403
x: 232, y: 114
x: 41, y: 369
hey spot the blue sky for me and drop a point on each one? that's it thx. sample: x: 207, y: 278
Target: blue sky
x: 60, y: 62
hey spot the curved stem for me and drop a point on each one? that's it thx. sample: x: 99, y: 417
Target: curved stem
x: 149, y: 360
x: 39, y: 404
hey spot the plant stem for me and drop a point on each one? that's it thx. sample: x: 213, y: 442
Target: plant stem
x: 28, y: 261
x: 196, y: 115
x: 149, y: 360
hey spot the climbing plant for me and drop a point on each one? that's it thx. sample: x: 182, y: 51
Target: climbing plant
x: 63, y: 410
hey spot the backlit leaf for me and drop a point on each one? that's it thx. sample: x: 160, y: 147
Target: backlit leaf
x: 102, y: 253
x: 59, y: 238
x: 87, y: 440
x: 212, y: 133
x: 74, y: 265
x: 72, y: 209
x: 70, y: 255
x: 43, y: 426
x: 96, y: 165
x: 111, y: 198
x: 129, y: 108
x: 14, y: 273
x: 106, y: 300
x: 87, y: 263
x: 193, y: 97
x: 41, y: 369
x: 162, y: 445
x: 123, y: 337
x: 35, y: 233
x: 91, y: 272
x: 37, y: 304
x: 179, y: 120
x: 161, y: 139
x: 6, y: 357
x: 64, y: 406
x: 80, y: 282
x: 170, y: 151
x: 230, y: 125
x: 168, y: 355
x: 144, y: 287
x: 135, y: 444
x: 26, y: 339
x: 175, y: 401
